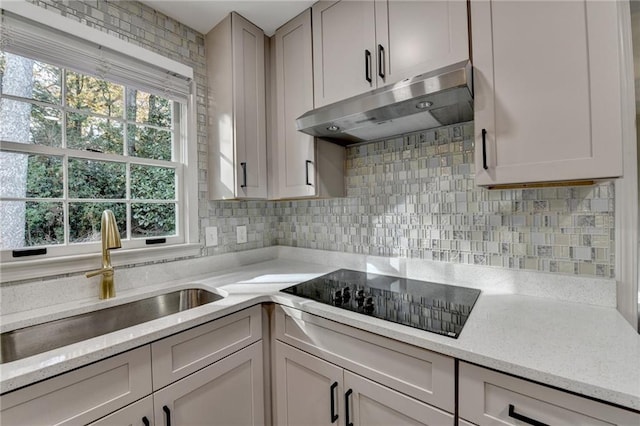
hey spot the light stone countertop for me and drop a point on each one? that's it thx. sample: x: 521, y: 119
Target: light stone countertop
x: 583, y: 348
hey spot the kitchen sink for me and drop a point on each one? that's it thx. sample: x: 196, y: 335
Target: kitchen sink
x: 28, y: 341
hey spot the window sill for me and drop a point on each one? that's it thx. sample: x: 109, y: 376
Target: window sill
x: 56, y: 266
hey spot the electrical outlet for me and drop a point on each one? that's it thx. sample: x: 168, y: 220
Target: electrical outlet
x: 241, y: 232
x: 211, y: 236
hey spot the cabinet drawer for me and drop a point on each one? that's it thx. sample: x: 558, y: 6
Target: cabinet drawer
x: 425, y: 375
x: 131, y: 415
x: 486, y: 396
x: 182, y: 354
x: 83, y: 395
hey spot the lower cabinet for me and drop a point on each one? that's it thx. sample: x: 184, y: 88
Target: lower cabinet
x: 328, y: 373
x: 228, y: 392
x: 210, y: 374
x: 322, y: 373
x: 83, y: 395
x: 311, y: 391
x: 487, y: 397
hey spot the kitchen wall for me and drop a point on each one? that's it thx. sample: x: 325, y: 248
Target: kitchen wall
x: 411, y: 196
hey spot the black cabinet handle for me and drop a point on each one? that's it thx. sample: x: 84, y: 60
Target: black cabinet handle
x: 332, y: 389
x: 347, y: 420
x: 244, y: 175
x: 484, y: 149
x: 367, y: 66
x: 167, y: 415
x: 525, y: 419
x: 306, y: 170
x: 145, y: 421
x: 381, y: 64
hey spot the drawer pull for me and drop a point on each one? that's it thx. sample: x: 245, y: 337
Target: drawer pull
x: 381, y: 64
x: 484, y: 149
x: 347, y: 420
x: 367, y: 66
x: 306, y: 170
x: 167, y: 415
x: 332, y: 389
x: 525, y: 419
x: 145, y: 421
x: 244, y: 175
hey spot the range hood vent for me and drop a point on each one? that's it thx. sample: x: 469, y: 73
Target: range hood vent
x: 429, y: 100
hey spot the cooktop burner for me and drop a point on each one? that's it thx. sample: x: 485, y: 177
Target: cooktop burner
x: 438, y: 308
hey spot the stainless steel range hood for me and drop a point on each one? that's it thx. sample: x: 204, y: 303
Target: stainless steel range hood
x: 433, y: 99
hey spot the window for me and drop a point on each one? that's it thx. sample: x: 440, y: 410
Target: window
x: 84, y: 129
x: 75, y: 145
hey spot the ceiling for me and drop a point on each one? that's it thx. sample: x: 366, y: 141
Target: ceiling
x: 203, y: 15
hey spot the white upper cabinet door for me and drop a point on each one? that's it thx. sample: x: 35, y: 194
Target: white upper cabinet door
x: 236, y: 110
x: 414, y: 37
x: 344, y: 57
x: 250, y: 118
x: 547, y: 91
x: 294, y: 97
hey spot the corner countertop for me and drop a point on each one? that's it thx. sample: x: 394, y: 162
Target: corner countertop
x: 586, y: 349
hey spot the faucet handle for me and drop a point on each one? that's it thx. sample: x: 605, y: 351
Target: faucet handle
x: 103, y: 271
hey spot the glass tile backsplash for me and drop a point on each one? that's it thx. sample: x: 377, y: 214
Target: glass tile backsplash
x: 414, y: 196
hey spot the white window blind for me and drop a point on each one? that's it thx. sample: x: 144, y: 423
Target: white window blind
x: 27, y: 38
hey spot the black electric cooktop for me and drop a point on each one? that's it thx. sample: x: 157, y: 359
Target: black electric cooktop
x: 438, y: 308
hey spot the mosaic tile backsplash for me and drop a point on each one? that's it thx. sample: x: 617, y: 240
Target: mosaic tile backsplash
x: 415, y: 196
x: 412, y: 196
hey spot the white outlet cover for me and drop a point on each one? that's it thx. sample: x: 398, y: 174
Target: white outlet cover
x: 211, y: 236
x: 241, y: 232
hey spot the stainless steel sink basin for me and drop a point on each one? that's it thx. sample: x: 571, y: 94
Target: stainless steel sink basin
x: 24, y: 342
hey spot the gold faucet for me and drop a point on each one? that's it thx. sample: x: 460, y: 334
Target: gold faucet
x: 110, y: 240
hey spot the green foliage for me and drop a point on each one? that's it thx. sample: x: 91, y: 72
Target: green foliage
x: 149, y: 220
x: 44, y: 223
x: 152, y: 183
x: 45, y: 177
x: 89, y: 179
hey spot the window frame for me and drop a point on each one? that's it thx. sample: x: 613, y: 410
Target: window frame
x: 78, y: 257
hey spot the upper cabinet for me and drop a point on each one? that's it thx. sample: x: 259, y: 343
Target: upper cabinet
x: 343, y: 48
x: 547, y: 91
x: 413, y: 37
x: 361, y: 45
x: 236, y: 110
x: 301, y: 166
